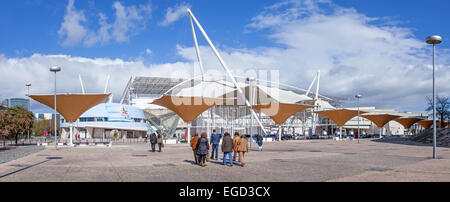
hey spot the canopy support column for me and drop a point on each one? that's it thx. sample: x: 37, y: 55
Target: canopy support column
x: 279, y: 133
x: 71, y: 132
x: 189, y: 133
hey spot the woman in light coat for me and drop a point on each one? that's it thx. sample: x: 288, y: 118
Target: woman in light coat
x: 235, y: 145
x: 242, y: 148
x: 160, y: 142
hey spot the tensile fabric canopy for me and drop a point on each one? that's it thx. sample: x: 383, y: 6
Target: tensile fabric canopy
x: 71, y: 106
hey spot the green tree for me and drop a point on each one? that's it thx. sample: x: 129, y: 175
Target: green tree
x: 14, y: 121
x: 4, y: 128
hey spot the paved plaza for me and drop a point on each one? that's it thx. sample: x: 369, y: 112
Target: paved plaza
x: 299, y: 160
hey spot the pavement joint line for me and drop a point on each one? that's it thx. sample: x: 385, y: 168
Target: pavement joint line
x: 67, y: 171
x: 117, y: 172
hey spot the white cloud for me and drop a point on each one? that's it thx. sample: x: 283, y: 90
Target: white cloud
x: 286, y: 11
x: 148, y: 51
x: 129, y: 21
x: 16, y: 72
x: 354, y: 52
x: 71, y: 29
x: 102, y: 36
x: 385, y: 63
x: 174, y: 13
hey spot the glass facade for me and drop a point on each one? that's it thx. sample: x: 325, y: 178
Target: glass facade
x: 12, y: 102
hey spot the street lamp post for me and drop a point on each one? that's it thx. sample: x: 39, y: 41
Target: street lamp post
x: 55, y: 69
x: 251, y: 79
x: 358, y: 96
x: 434, y: 39
x: 29, y: 106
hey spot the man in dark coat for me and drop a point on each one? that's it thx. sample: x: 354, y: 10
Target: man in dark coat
x: 202, y: 148
x: 227, y: 148
x: 153, y: 140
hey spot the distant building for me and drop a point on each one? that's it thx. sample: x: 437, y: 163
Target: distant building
x: 45, y: 116
x: 12, y: 102
x: 109, y: 121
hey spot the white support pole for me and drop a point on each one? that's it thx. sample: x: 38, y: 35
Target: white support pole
x: 279, y: 133
x: 224, y: 66
x: 106, y: 86
x: 318, y: 84
x: 197, y: 50
x: 340, y: 133
x: 213, y: 118
x: 189, y: 133
x: 71, y: 134
x: 311, y: 85
x: 316, y: 116
x: 81, y: 83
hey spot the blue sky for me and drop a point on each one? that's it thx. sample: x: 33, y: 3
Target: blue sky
x: 31, y: 26
x: 265, y: 34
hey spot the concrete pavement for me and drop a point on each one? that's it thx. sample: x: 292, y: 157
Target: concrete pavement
x: 300, y: 160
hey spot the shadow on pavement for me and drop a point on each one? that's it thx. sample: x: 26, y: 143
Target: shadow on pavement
x: 30, y: 166
x: 190, y: 161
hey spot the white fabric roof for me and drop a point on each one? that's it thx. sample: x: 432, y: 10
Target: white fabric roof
x: 210, y: 89
x: 264, y: 94
x: 324, y: 104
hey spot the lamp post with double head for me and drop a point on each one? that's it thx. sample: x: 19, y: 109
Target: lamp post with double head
x: 358, y: 96
x: 55, y: 69
x: 434, y: 39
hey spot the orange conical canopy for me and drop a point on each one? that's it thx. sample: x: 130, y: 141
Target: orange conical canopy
x: 380, y: 119
x: 280, y: 112
x: 407, y: 122
x: 427, y: 123
x: 71, y: 106
x: 340, y: 116
x: 188, y: 108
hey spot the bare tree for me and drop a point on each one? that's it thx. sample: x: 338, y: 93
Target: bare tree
x: 442, y: 108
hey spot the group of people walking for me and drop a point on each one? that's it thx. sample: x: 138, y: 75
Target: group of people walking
x: 200, y: 147
x: 156, y: 140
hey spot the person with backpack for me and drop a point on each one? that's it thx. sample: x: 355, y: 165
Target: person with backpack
x: 153, y: 141
x: 194, y: 142
x: 202, y: 148
x: 215, y: 140
x: 227, y: 148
